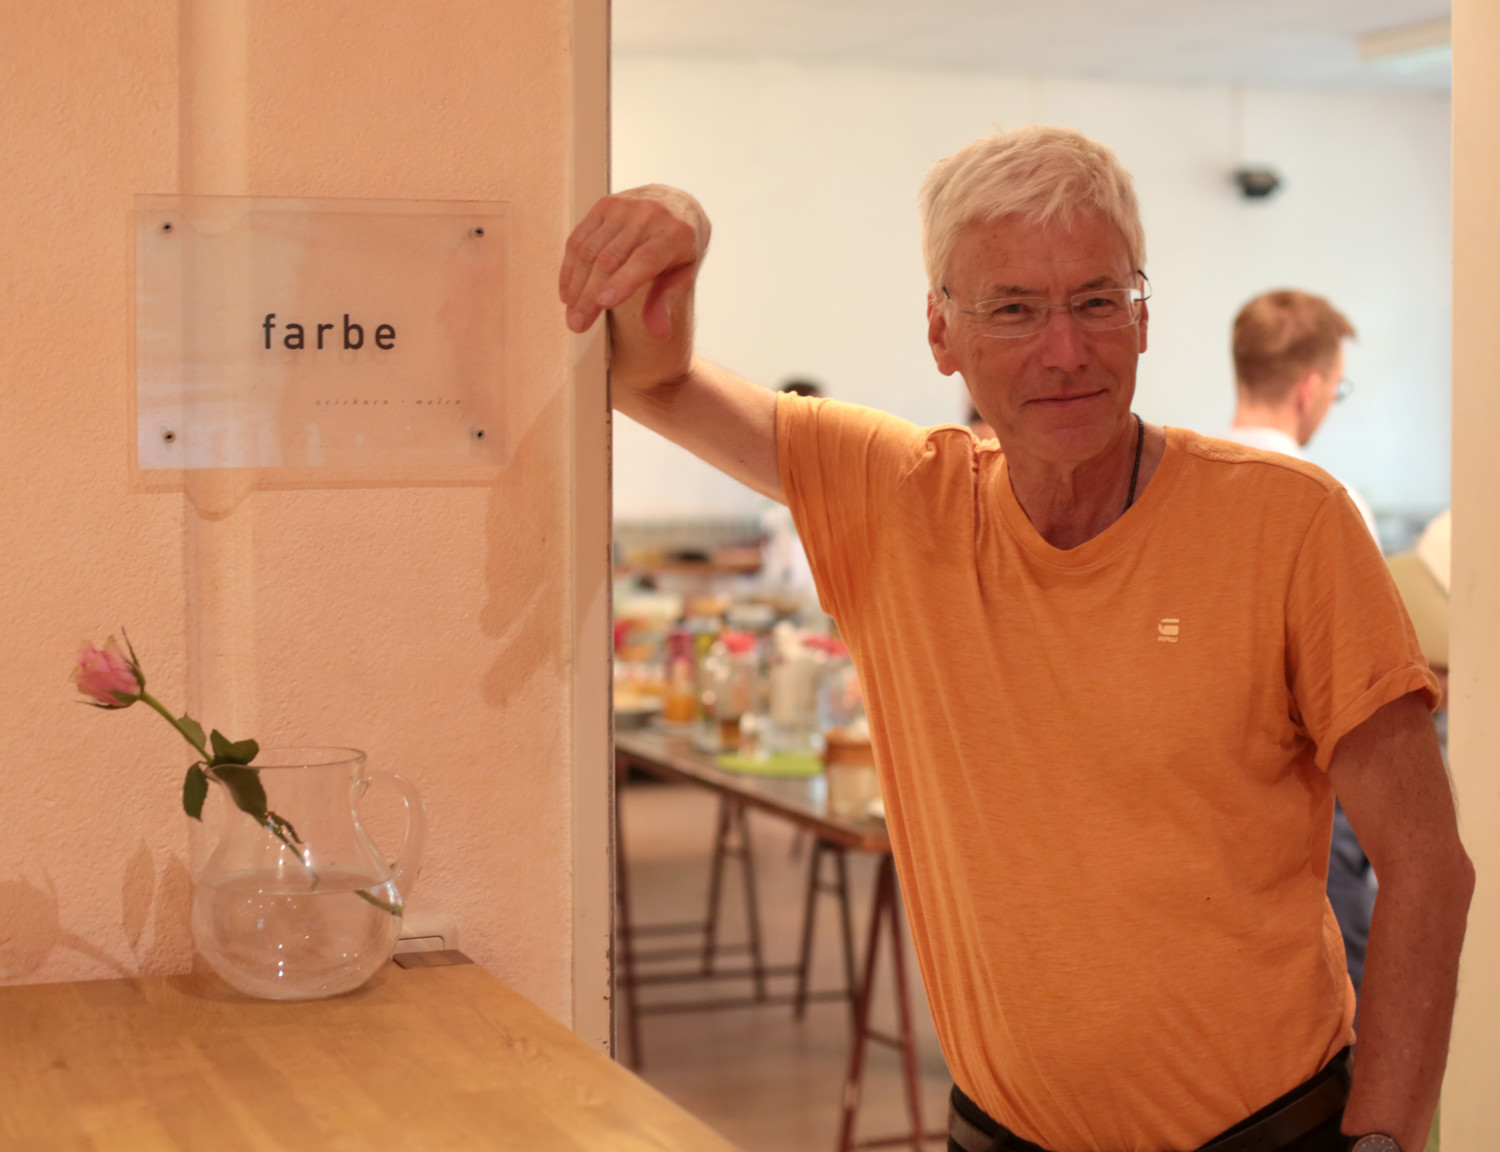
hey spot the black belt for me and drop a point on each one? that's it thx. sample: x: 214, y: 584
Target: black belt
x: 1315, y: 1103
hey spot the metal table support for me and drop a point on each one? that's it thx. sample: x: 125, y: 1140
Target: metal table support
x: 671, y: 757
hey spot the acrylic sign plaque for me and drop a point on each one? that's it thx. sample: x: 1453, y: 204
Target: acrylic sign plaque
x: 294, y: 333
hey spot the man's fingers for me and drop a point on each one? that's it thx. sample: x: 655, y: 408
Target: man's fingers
x: 644, y: 264
x: 666, y: 293
x: 597, y: 270
x: 598, y: 257
x: 580, y: 265
x: 620, y: 267
x: 625, y: 242
x: 596, y: 218
x: 609, y: 289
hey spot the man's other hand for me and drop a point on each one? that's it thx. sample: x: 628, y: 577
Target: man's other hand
x: 653, y: 235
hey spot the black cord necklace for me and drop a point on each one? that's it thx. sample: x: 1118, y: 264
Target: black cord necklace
x: 1135, y: 473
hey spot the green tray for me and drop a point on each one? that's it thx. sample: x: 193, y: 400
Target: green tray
x: 780, y: 764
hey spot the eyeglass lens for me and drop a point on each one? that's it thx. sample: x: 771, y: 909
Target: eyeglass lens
x: 1099, y: 310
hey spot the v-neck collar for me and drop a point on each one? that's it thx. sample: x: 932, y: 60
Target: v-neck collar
x: 1112, y: 539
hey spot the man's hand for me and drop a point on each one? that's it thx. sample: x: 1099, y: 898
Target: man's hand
x: 636, y: 255
x: 652, y: 235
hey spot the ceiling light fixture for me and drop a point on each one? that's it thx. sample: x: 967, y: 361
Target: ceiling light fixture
x: 1411, y: 47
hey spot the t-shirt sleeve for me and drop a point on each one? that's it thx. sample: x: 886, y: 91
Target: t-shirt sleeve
x: 1350, y: 646
x: 839, y: 464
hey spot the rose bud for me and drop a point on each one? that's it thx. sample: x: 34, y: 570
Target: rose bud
x: 107, y: 676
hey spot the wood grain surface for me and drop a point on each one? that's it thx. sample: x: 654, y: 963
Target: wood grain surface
x: 442, y: 1058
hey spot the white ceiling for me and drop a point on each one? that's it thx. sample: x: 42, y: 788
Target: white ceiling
x: 1276, y: 42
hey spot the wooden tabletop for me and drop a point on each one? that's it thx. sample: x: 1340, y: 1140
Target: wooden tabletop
x: 440, y: 1058
x: 801, y: 800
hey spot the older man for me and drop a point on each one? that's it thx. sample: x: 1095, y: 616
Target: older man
x: 1115, y: 672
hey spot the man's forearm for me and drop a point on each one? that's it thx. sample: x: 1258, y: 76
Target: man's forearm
x: 1406, y: 1010
x: 719, y: 417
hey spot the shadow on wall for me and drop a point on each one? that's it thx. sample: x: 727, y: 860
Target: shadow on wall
x: 526, y: 563
x: 32, y: 929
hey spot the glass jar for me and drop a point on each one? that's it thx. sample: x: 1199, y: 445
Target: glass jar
x: 732, y: 685
x: 305, y: 906
x: 793, y: 677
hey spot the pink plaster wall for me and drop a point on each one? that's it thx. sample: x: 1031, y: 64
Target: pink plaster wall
x: 430, y: 626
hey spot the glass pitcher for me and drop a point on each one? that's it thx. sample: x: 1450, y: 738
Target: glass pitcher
x: 307, y: 907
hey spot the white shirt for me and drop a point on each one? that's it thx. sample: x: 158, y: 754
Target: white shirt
x: 1275, y: 440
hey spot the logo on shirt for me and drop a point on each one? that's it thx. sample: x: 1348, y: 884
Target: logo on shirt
x: 1166, y: 631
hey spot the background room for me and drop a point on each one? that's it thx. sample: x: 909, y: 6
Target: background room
x: 431, y: 549
x: 805, y: 131
x: 806, y: 141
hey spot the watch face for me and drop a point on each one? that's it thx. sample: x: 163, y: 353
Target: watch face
x: 1375, y: 1144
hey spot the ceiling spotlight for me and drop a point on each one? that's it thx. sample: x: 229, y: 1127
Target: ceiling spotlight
x: 1256, y: 183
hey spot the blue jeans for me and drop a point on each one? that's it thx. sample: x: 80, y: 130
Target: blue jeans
x: 1351, y: 891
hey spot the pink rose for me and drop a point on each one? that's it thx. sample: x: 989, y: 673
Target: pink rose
x: 107, y: 675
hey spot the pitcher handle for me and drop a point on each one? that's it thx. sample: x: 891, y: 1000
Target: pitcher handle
x: 409, y: 860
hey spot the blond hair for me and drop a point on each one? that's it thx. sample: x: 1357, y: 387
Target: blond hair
x: 1281, y: 336
x: 1040, y: 173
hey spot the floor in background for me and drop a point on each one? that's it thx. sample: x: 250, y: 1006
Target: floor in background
x: 767, y: 1082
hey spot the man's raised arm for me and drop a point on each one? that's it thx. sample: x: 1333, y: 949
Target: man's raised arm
x: 636, y: 255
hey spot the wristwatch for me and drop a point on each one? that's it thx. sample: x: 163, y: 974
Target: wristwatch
x: 1374, y: 1142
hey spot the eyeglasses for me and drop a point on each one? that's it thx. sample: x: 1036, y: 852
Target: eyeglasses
x: 1343, y: 391
x: 1100, y: 310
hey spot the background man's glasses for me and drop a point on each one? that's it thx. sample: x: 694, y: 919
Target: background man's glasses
x: 1101, y: 310
x: 1346, y: 386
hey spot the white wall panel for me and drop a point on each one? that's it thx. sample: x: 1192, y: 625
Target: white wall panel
x: 810, y: 173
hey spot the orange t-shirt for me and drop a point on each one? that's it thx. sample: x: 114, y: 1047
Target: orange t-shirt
x: 1104, y: 768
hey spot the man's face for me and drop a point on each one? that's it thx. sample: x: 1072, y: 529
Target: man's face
x: 1062, y: 394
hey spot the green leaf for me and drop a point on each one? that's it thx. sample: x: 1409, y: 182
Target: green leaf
x: 192, y: 729
x: 245, y: 787
x: 241, y: 752
x: 194, y: 792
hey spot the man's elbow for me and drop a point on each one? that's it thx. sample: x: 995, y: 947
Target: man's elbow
x: 1457, y: 870
x: 1436, y: 876
x: 1464, y: 878
x: 1449, y: 883
x: 1461, y: 893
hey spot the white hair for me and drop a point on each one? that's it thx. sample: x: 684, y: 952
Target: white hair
x: 1039, y: 173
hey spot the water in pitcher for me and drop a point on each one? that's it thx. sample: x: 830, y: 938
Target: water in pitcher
x: 270, y: 935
